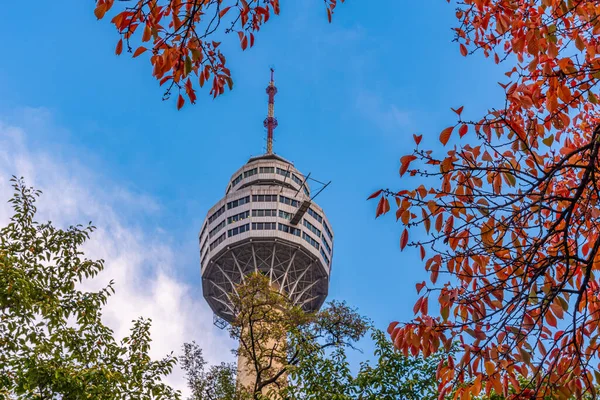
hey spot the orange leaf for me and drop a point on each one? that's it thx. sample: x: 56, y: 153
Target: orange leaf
x: 382, y: 207
x: 119, y: 48
x: 417, y: 138
x: 420, y: 286
x: 445, y: 135
x: 405, y: 162
x: 458, y: 110
x: 391, y: 327
x: 463, y: 50
x: 422, y: 252
x: 462, y: 131
x: 377, y: 193
x: 224, y: 11
x: 180, y: 102
x: 139, y: 51
x: 403, y: 239
x: 100, y: 10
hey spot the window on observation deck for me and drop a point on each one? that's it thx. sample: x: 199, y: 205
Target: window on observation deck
x: 238, y: 217
x: 325, y: 243
x: 264, y: 213
x: 238, y: 202
x: 325, y: 256
x: 286, y: 215
x: 283, y: 172
x: 260, y: 226
x: 289, y: 229
x: 328, y: 231
x: 238, y: 229
x: 237, y: 180
x: 266, y: 170
x: 264, y: 197
x: 288, y: 201
x: 217, y: 241
x: 312, y: 228
x: 315, y: 215
x: 310, y: 240
x: 216, y: 229
x: 250, y: 172
x: 216, y: 214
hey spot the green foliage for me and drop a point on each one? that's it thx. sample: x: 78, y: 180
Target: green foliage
x: 312, y: 364
x: 218, y: 383
x: 53, y: 344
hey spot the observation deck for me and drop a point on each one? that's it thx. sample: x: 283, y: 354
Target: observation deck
x: 266, y: 222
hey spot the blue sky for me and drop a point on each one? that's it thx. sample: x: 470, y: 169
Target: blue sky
x: 351, y: 94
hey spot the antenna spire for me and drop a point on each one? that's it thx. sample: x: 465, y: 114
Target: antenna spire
x: 271, y: 122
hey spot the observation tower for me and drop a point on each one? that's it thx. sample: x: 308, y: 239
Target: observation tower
x: 268, y: 222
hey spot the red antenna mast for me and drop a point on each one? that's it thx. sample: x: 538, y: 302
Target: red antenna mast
x: 271, y: 122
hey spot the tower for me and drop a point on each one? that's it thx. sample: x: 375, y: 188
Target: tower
x: 268, y: 222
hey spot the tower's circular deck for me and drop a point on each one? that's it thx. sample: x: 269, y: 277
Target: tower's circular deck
x: 266, y: 222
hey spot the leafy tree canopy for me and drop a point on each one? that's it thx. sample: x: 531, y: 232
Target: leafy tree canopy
x: 53, y: 344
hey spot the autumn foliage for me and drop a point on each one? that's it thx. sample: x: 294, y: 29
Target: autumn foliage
x: 183, y: 37
x: 509, y: 225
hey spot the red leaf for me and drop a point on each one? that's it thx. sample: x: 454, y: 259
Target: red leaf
x: 139, y: 51
x: 391, y: 327
x: 462, y: 131
x: 382, y: 207
x: 403, y: 239
x: 100, y: 11
x: 445, y: 135
x: 224, y: 11
x: 422, y: 252
x: 180, y: 102
x: 377, y: 193
x: 405, y: 162
x: 458, y: 110
x: 420, y: 286
x: 417, y: 138
x: 417, y: 305
x: 119, y: 48
x: 463, y: 50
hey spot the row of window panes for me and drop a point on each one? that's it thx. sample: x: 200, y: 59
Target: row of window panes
x: 203, y: 231
x: 238, y: 217
x: 297, y: 180
x: 217, y: 241
x: 286, y: 215
x: 203, y: 247
x: 237, y: 180
x: 315, y: 215
x: 238, y: 202
x: 306, y: 192
x: 310, y: 240
x: 261, y: 226
x: 238, y: 229
x: 267, y: 170
x: 264, y: 197
x: 288, y: 201
x: 264, y: 213
x: 312, y: 228
x: 289, y: 229
x: 250, y: 172
x: 328, y: 231
x: 325, y: 256
x: 216, y: 229
x: 325, y: 243
x: 216, y: 214
x: 283, y: 172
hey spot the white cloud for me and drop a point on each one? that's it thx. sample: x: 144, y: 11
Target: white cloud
x: 141, y: 262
